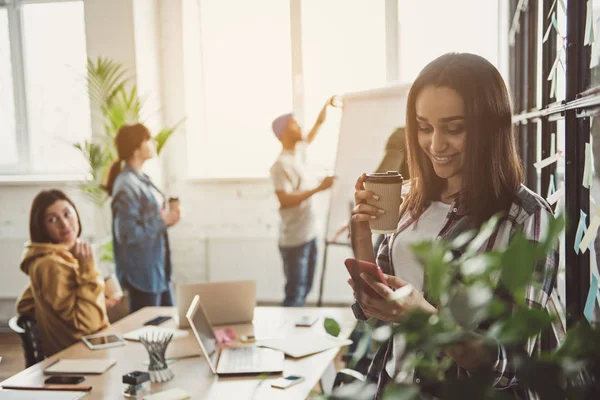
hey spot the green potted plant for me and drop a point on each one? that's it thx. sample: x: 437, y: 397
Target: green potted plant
x: 116, y: 98
x: 570, y: 370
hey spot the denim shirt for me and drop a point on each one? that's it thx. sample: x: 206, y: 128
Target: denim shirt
x: 140, y: 239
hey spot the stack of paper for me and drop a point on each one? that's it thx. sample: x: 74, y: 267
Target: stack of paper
x: 39, y: 395
x: 80, y: 366
x: 150, y: 330
x: 304, y: 343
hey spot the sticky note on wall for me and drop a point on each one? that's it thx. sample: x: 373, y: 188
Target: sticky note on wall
x: 590, y: 303
x: 591, y: 232
x: 587, y: 169
x: 548, y: 160
x: 581, y: 230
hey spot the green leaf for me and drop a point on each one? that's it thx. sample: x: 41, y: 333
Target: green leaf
x: 355, y: 391
x: 398, y: 391
x: 522, y: 325
x: 518, y: 262
x: 463, y: 239
x: 480, y: 264
x: 106, y: 251
x: 332, y: 327
x: 469, y: 305
x: 163, y: 136
x: 433, y: 256
x: 361, y: 348
x: 555, y: 228
x: 105, y: 78
x: 382, y: 333
x: 487, y: 229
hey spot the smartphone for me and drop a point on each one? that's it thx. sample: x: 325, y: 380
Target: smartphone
x: 356, y: 267
x: 64, y: 380
x: 306, y: 321
x: 158, y: 320
x: 286, y: 381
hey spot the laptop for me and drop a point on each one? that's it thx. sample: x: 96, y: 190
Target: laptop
x: 230, y: 361
x: 224, y: 302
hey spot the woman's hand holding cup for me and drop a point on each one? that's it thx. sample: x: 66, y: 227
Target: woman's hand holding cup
x: 171, y: 216
x: 363, y: 213
x: 378, y: 198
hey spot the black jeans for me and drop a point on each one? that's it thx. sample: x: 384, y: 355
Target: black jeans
x: 139, y: 299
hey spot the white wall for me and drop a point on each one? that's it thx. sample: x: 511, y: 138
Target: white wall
x: 229, y: 228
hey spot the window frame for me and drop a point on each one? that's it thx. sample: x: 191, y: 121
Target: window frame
x: 23, y: 167
x: 392, y: 67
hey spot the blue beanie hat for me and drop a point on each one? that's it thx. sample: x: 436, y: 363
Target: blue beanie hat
x: 280, y: 123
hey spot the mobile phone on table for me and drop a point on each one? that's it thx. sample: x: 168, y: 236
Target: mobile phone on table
x: 158, y: 320
x: 64, y: 380
x: 286, y: 381
x: 306, y: 321
x: 356, y: 267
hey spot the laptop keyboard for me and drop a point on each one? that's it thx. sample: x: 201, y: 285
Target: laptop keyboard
x: 240, y: 359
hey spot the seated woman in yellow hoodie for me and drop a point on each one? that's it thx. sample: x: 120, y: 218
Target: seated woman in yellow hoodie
x: 66, y: 291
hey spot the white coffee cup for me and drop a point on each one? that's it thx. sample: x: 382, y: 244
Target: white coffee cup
x: 112, y: 287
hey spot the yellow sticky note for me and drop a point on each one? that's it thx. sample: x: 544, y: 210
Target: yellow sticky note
x: 591, y: 232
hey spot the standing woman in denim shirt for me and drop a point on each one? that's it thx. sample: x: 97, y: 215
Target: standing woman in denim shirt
x: 140, y: 222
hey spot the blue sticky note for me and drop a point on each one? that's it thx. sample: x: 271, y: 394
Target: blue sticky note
x: 581, y: 229
x: 588, y: 311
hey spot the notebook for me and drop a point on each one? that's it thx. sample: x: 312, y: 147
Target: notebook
x: 149, y: 330
x: 87, y: 366
x: 303, y: 344
x: 39, y: 395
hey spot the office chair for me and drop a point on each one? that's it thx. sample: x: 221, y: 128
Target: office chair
x: 26, y: 327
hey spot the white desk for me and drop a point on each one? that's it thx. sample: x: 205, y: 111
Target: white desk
x: 193, y: 373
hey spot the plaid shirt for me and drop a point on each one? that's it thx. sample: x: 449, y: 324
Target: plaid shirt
x: 528, y: 213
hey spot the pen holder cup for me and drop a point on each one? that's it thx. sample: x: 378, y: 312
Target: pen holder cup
x: 156, y: 346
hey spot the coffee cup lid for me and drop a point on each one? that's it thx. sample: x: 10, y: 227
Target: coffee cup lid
x: 385, y: 177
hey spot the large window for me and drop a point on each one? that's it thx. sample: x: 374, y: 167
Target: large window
x: 247, y: 62
x: 8, y: 138
x: 44, y: 107
x: 343, y: 50
x: 241, y: 81
x: 256, y: 60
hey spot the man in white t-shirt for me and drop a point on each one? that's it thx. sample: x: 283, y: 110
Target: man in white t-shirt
x: 297, y: 232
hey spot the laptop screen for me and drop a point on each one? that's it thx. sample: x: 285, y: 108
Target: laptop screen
x: 204, y: 331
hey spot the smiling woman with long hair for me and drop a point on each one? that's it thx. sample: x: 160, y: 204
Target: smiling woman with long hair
x: 66, y: 290
x: 465, y: 168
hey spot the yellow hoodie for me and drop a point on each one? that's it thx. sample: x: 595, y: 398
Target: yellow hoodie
x: 66, y: 299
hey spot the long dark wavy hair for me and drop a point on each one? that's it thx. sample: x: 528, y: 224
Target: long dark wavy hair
x: 492, y: 170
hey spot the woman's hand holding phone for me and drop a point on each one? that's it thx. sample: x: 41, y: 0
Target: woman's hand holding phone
x: 391, y: 301
x: 356, y: 267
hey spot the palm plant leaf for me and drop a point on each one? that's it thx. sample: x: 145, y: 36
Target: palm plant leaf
x: 125, y: 108
x: 163, y: 136
x: 105, y: 78
x: 117, y: 99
